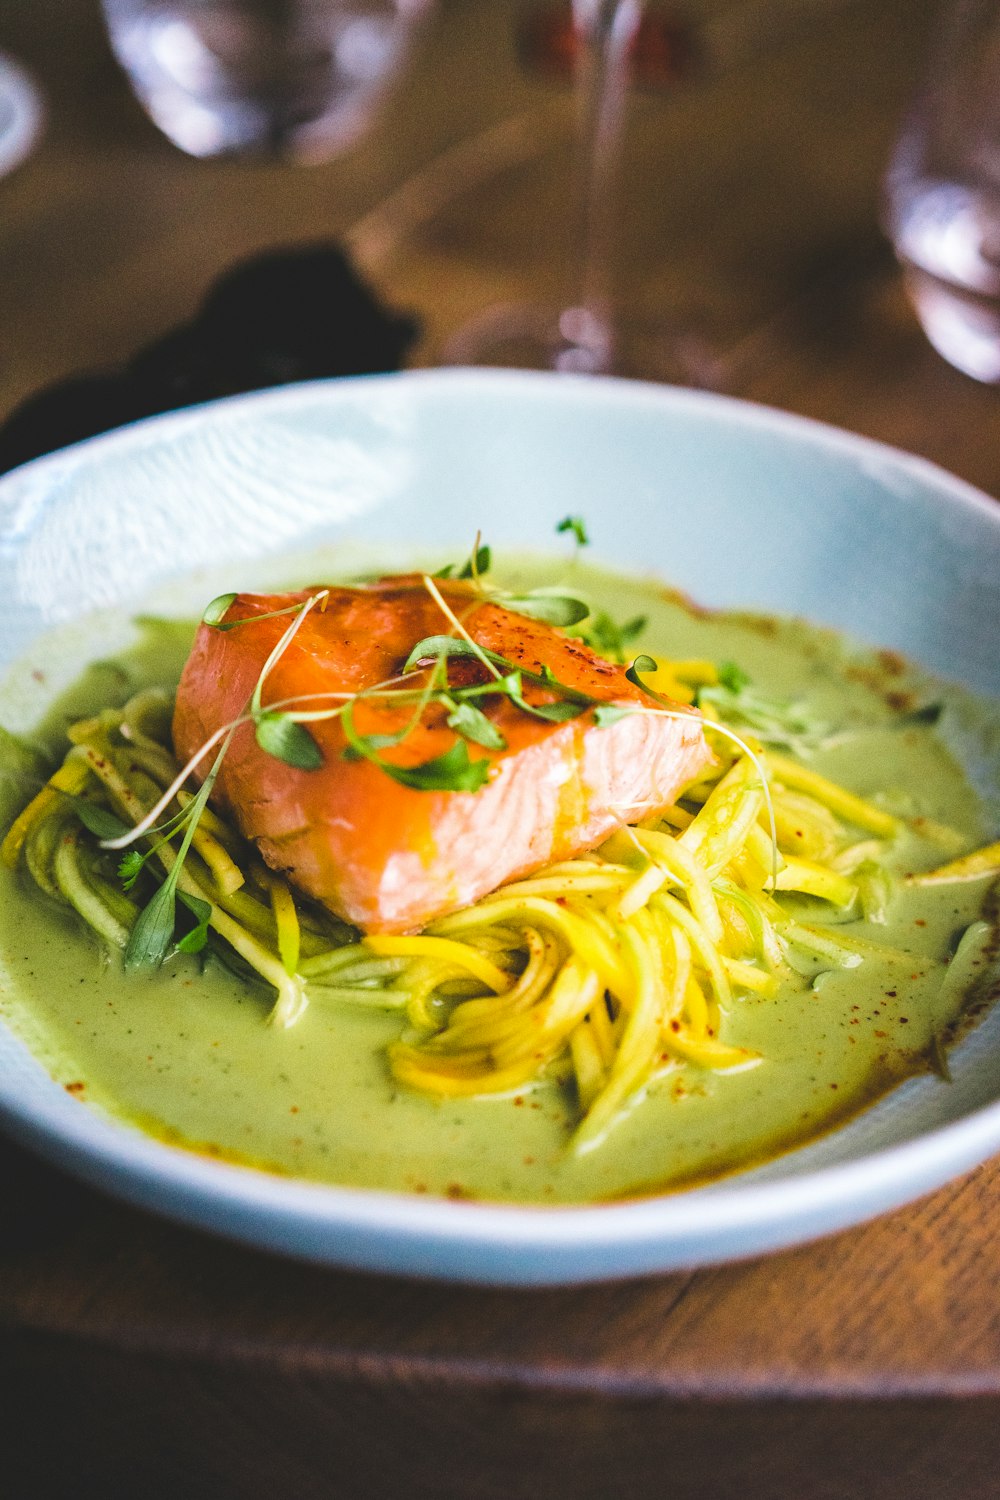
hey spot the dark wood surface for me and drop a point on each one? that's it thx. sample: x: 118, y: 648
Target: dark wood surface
x: 149, y: 1360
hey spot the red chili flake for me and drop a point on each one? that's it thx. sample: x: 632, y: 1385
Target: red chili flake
x: 904, y: 1020
x: 881, y: 1033
x: 519, y: 1099
x: 891, y: 994
x: 75, y: 1088
x: 835, y: 1085
x: 675, y: 1026
x: 294, y: 1109
x: 919, y: 922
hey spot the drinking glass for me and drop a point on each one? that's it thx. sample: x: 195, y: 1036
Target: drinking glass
x: 581, y: 336
x: 942, y: 192
x: 283, y: 77
x: 21, y: 114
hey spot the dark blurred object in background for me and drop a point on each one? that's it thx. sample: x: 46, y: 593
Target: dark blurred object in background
x: 289, y: 315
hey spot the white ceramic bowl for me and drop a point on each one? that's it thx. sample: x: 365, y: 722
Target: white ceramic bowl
x: 740, y: 505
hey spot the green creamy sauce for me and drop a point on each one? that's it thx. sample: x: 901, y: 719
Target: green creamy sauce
x: 187, y: 1055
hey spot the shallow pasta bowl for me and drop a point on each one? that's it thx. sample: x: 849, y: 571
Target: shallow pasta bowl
x: 742, y: 506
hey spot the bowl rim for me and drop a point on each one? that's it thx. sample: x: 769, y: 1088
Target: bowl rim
x: 754, y: 414
x: 817, y: 1200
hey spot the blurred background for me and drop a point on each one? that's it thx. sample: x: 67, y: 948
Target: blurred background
x: 748, y: 204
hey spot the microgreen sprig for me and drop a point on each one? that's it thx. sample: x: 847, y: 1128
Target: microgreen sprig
x: 773, y: 721
x: 97, y: 819
x: 640, y: 665
x: 508, y: 678
x: 577, y: 526
x: 454, y: 771
x: 216, y: 611
x: 605, y: 636
x: 554, y: 606
x: 278, y: 734
x: 478, y: 564
x: 558, y: 609
x: 279, y: 730
x: 152, y: 934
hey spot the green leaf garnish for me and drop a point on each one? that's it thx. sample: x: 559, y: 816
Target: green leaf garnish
x: 130, y: 868
x: 554, y: 609
x: 216, y: 611
x: 641, y: 664
x: 150, y: 938
x: 774, y: 721
x: 732, y: 677
x: 97, y: 819
x: 609, y: 713
x: 440, y: 647
x: 195, y: 940
x: 478, y: 563
x: 472, y: 724
x: 453, y: 771
x: 288, y: 741
x: 474, y: 567
x: 576, y: 525
x: 605, y: 636
x: 555, y: 713
x: 508, y: 686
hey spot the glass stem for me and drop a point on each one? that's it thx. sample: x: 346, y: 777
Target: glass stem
x: 605, y: 30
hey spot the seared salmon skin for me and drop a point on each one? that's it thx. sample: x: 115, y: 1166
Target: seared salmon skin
x: 388, y: 857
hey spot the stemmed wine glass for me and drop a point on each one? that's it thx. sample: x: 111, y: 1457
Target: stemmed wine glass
x: 942, y: 192
x: 585, y: 335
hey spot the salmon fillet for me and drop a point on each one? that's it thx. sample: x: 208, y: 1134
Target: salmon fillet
x: 387, y: 857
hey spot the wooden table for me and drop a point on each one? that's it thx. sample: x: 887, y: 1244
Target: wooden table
x: 153, y: 1361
